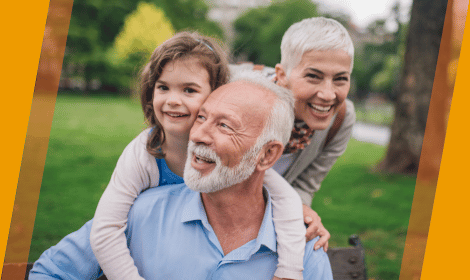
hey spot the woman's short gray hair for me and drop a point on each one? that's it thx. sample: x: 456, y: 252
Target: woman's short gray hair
x: 317, y: 33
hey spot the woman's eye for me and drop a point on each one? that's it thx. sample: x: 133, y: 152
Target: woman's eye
x: 162, y: 87
x: 313, y: 76
x: 342, y: 79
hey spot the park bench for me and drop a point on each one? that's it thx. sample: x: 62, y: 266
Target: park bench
x: 347, y: 263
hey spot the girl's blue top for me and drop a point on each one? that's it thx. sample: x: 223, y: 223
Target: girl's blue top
x: 167, y: 177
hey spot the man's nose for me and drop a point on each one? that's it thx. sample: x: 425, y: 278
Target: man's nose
x: 201, y: 133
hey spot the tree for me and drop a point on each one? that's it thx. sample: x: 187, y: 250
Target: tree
x: 259, y: 31
x: 415, y: 87
x: 143, y: 30
x: 190, y: 14
x: 94, y: 25
x: 378, y: 63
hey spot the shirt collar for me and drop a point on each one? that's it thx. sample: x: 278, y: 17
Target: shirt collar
x: 194, y: 211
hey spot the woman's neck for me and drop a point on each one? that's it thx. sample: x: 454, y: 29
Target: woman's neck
x: 175, y: 149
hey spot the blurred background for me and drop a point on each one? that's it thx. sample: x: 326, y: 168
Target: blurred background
x: 368, y: 192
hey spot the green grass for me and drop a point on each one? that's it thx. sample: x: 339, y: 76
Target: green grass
x: 87, y: 137
x: 89, y: 133
x: 380, y: 114
x: 353, y: 200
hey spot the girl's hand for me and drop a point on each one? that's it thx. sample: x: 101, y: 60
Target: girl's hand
x: 315, y: 228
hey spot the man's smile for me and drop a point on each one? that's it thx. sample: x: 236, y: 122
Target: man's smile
x: 203, y: 165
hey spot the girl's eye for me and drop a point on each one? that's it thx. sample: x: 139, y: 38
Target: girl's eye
x: 189, y: 90
x: 162, y: 87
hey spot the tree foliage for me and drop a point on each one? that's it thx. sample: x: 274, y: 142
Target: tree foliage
x: 259, y: 31
x: 190, y: 14
x: 95, y: 24
x: 93, y: 27
x: 377, y: 65
x: 143, y: 29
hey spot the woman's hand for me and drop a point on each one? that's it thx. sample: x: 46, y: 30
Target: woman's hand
x: 315, y: 228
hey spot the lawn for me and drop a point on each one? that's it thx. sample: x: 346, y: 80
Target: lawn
x: 89, y: 133
x: 379, y: 114
x: 353, y: 200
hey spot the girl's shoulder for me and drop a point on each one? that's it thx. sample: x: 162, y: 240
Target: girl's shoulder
x: 136, y: 159
x: 138, y: 145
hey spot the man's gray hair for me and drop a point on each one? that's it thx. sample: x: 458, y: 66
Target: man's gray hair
x: 317, y: 33
x: 278, y: 125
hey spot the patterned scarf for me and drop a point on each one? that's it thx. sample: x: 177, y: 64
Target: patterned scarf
x: 299, y: 138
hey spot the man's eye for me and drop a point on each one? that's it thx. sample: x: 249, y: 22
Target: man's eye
x: 200, y: 117
x: 224, y: 125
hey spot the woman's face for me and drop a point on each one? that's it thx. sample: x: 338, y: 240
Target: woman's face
x: 179, y: 93
x: 320, y: 84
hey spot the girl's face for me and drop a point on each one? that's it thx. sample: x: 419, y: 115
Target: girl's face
x: 179, y: 93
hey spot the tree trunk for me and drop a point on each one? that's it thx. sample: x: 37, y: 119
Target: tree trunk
x: 415, y: 87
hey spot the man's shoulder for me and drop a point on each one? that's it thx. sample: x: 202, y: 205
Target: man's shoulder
x: 158, y: 202
x: 316, y: 263
x: 163, y: 192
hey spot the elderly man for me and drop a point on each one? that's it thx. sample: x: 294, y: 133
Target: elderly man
x: 221, y: 227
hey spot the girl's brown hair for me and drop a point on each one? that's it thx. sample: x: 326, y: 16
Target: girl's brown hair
x: 183, y: 45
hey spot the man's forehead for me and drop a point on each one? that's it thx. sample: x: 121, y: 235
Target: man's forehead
x: 241, y: 93
x: 240, y: 100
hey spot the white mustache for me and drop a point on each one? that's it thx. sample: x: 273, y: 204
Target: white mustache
x: 202, y: 151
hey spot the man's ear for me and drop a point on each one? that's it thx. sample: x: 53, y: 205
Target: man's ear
x: 281, y: 75
x: 270, y: 153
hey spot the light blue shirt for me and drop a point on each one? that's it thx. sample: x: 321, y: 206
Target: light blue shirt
x: 169, y: 237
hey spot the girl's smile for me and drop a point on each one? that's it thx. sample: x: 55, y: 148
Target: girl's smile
x: 179, y: 93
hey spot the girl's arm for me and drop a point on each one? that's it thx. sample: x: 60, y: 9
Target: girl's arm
x: 135, y: 171
x: 289, y: 225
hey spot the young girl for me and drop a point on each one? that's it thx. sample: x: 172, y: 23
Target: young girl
x: 180, y: 75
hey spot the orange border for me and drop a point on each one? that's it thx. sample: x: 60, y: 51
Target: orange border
x: 446, y: 245
x: 447, y: 248
x: 20, y: 58
x: 37, y: 137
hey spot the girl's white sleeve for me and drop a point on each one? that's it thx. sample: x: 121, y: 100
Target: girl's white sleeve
x: 135, y: 171
x: 289, y: 225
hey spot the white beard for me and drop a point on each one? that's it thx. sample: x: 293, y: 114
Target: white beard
x: 222, y: 176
